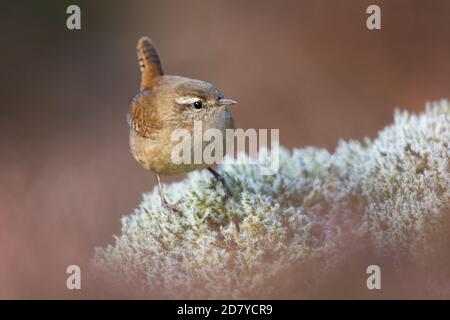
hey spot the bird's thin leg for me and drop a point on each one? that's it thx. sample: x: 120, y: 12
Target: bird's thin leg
x: 219, y: 177
x: 164, y: 202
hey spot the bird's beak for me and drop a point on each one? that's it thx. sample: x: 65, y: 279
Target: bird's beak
x: 226, y: 102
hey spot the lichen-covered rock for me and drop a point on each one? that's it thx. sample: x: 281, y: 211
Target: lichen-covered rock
x: 287, y: 231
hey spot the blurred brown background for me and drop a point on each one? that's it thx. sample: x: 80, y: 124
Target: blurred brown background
x: 309, y: 68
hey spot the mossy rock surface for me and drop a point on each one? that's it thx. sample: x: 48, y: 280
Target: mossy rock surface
x: 284, y: 234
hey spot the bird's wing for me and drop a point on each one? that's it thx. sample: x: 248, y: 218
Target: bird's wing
x: 142, y: 116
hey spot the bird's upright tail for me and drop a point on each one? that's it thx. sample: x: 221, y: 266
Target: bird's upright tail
x: 148, y: 62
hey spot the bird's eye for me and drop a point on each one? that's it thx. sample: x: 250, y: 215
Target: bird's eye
x: 198, y: 105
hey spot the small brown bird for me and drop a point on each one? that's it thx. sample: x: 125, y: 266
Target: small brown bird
x: 166, y: 103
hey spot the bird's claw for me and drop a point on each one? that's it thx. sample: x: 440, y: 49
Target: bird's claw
x: 170, y: 207
x: 220, y: 178
x: 227, y: 191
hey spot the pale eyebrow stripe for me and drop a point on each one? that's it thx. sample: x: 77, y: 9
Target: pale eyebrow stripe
x: 186, y: 100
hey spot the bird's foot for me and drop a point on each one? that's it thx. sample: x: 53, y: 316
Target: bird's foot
x: 170, y: 207
x: 166, y: 205
x: 220, y: 178
x: 227, y: 190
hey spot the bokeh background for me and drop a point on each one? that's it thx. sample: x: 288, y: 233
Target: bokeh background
x: 309, y: 68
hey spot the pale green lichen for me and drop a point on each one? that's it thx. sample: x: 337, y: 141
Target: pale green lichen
x: 391, y: 195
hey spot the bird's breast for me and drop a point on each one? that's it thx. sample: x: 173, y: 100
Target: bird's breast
x: 156, y: 154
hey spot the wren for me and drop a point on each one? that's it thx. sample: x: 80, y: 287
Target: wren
x: 166, y: 103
